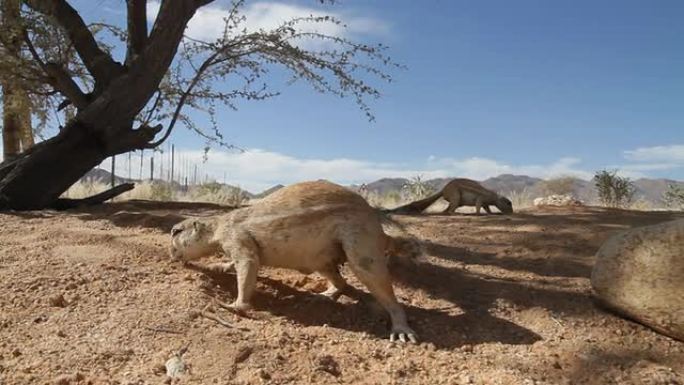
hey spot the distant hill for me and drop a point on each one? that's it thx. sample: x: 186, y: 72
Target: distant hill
x: 509, y: 182
x: 649, y: 190
x: 98, y: 175
x: 652, y: 190
x: 268, y: 191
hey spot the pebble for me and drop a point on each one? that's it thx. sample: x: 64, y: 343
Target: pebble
x: 175, y: 367
x: 57, y: 301
x: 243, y: 353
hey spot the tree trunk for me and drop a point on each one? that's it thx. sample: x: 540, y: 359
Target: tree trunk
x: 13, y: 95
x: 11, y: 122
x: 26, y: 134
x: 17, y: 134
x: 37, y: 177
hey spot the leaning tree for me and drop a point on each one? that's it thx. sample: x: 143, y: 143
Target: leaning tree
x: 135, y: 102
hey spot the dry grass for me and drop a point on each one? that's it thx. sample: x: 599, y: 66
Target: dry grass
x: 521, y: 199
x: 161, y: 191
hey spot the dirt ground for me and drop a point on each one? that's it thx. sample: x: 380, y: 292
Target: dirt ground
x: 90, y: 296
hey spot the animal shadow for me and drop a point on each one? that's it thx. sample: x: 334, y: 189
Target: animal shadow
x: 273, y: 298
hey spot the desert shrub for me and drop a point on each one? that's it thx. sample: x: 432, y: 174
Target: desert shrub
x: 564, y: 185
x: 214, y: 192
x: 674, y: 196
x: 416, y: 188
x: 209, y: 188
x: 161, y: 191
x: 390, y: 199
x: 613, y: 190
x: 84, y: 188
x: 521, y: 198
x: 641, y: 204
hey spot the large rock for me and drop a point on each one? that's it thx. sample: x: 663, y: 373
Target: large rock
x: 640, y: 274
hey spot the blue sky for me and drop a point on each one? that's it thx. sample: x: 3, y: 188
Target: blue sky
x: 539, y: 87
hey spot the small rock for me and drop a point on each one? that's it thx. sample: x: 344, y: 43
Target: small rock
x: 264, y: 375
x: 328, y: 364
x: 193, y: 314
x: 66, y: 379
x: 243, y: 353
x: 63, y: 380
x: 159, y: 369
x: 57, y: 301
x: 175, y: 367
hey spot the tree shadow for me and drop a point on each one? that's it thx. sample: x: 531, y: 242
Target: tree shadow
x: 478, y: 293
x: 550, y: 267
x: 444, y: 330
x: 148, y: 214
x: 553, y: 242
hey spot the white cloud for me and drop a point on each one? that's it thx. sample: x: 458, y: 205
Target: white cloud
x: 657, y: 158
x: 208, y: 22
x: 256, y: 170
x: 668, y: 154
x: 482, y: 168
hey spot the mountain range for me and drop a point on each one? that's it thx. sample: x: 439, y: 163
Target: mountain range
x: 648, y: 190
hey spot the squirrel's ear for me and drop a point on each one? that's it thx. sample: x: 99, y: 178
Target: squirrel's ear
x: 196, y: 225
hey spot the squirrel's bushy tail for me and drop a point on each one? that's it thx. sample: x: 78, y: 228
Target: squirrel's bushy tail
x: 417, y: 206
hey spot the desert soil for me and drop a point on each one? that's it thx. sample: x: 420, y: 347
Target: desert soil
x: 90, y: 296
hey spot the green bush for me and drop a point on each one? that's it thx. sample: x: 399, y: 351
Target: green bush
x: 674, y: 196
x: 613, y: 190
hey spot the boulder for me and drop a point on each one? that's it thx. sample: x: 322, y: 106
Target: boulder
x: 639, y: 274
x: 557, y: 200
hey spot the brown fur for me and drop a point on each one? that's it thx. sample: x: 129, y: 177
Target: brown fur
x: 310, y: 227
x: 461, y: 192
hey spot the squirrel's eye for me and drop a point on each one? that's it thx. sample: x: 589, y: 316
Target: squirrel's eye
x: 175, y: 232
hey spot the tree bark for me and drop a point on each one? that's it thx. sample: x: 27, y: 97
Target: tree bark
x: 13, y: 95
x: 11, y: 122
x: 37, y: 177
x: 26, y: 135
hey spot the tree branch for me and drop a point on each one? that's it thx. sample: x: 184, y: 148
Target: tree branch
x: 137, y: 28
x: 98, y: 62
x: 181, y: 102
x: 58, y: 77
x: 66, y: 85
x: 145, y: 73
x: 65, y: 203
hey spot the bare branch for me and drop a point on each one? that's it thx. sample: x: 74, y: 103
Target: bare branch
x: 181, y: 102
x: 99, y: 63
x: 63, y: 82
x: 59, y: 78
x: 137, y: 28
